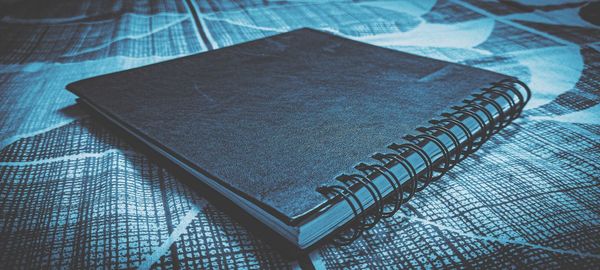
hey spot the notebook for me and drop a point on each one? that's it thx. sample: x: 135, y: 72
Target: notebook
x: 317, y: 136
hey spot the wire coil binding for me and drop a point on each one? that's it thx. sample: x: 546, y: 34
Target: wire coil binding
x: 386, y: 206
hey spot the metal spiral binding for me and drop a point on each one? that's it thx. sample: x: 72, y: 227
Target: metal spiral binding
x: 386, y: 206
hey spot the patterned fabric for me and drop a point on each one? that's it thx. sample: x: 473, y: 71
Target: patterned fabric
x: 73, y: 194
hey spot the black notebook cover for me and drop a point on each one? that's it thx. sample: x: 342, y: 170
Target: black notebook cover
x: 273, y: 119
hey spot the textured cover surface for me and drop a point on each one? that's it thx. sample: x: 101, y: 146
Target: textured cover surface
x: 76, y: 195
x: 277, y: 117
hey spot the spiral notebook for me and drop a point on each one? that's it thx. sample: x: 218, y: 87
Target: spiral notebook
x: 317, y: 136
